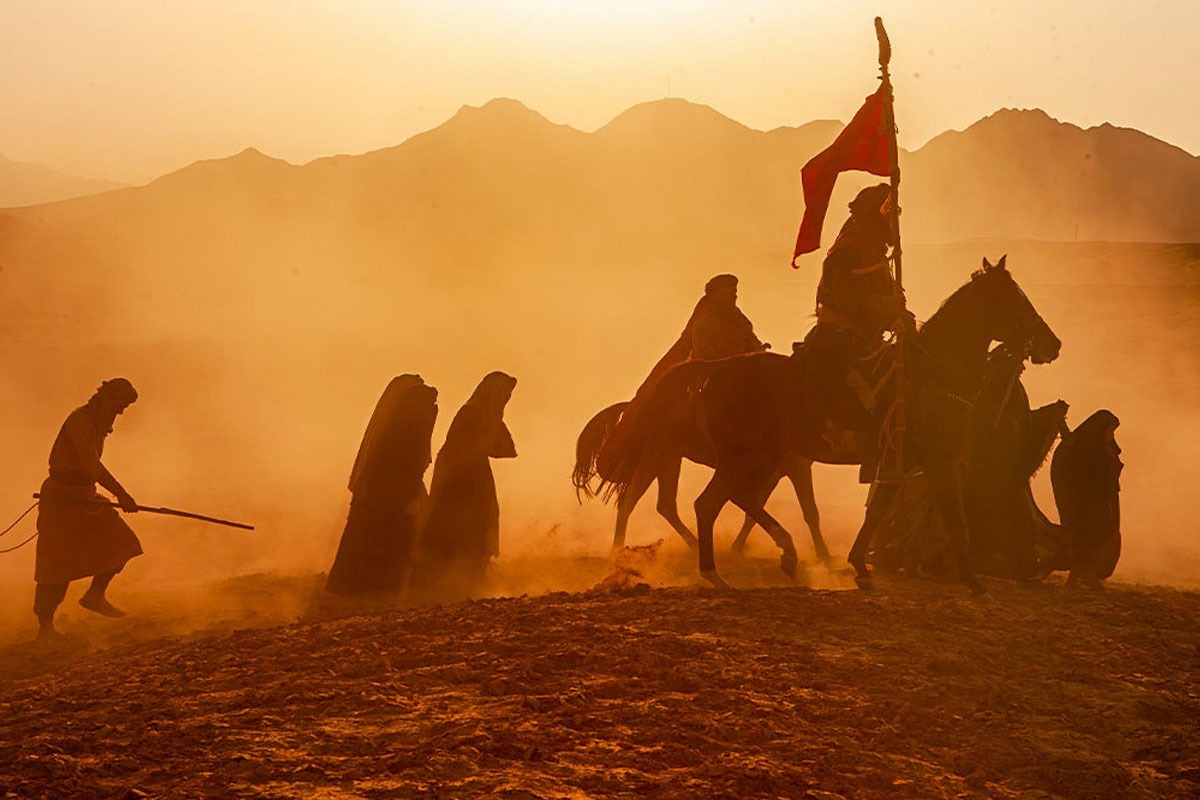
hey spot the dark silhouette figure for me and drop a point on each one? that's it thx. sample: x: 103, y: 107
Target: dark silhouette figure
x: 857, y: 301
x: 388, y: 492
x: 79, y: 534
x: 717, y: 328
x: 462, y: 533
x: 1086, y: 475
x: 750, y: 412
x: 1009, y: 443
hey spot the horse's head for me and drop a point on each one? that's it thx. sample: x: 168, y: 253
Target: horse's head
x: 1008, y: 315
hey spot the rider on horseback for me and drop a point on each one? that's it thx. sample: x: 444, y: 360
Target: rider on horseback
x: 717, y: 329
x: 857, y: 301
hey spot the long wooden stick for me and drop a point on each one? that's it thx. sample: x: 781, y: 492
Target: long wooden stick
x: 172, y: 512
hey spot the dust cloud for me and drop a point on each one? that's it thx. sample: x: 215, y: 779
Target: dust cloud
x: 260, y: 331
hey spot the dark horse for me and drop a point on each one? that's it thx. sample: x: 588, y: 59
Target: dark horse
x: 1009, y: 443
x: 684, y: 439
x: 751, y: 410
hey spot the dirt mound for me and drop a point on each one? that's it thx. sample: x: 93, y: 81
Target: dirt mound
x: 912, y: 692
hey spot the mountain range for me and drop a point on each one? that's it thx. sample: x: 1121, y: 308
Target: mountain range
x: 670, y: 169
x: 24, y: 184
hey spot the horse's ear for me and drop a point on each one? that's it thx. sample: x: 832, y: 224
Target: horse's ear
x: 986, y: 264
x: 1003, y: 258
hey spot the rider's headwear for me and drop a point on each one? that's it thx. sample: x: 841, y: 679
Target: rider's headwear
x: 871, y: 199
x: 720, y: 282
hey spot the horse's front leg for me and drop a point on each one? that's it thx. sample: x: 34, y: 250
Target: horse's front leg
x: 880, y: 501
x: 750, y: 490
x: 799, y: 471
x: 668, y: 500
x: 708, y: 506
x: 748, y: 523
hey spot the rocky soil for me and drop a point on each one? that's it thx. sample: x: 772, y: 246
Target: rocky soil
x: 911, y: 691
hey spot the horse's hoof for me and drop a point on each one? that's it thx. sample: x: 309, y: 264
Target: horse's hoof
x: 788, y: 562
x: 865, y: 582
x: 983, y: 597
x: 738, y: 548
x: 716, y: 580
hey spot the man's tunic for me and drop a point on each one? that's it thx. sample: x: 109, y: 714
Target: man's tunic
x: 77, y: 536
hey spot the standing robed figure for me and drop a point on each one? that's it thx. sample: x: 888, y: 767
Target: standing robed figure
x: 387, y: 486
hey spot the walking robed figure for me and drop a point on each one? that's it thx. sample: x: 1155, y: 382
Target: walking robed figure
x: 80, y: 535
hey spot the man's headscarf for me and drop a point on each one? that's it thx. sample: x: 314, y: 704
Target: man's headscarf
x: 871, y: 199
x: 117, y: 394
x: 867, y: 228
x: 119, y: 390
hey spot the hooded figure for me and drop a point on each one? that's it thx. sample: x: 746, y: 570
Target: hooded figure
x: 1085, y: 474
x: 716, y: 329
x: 462, y: 533
x: 388, y: 492
x: 79, y: 534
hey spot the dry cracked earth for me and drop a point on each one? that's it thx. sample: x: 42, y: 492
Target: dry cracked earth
x: 911, y: 691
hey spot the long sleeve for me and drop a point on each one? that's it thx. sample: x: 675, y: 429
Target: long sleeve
x: 85, y: 442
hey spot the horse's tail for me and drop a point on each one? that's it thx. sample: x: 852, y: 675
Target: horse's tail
x: 587, y: 448
x: 638, y: 436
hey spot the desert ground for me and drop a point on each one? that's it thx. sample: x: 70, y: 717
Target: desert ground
x: 632, y: 684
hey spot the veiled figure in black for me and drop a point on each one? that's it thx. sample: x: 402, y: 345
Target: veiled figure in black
x: 462, y: 533
x: 754, y: 415
x: 1086, y: 475
x: 388, y: 492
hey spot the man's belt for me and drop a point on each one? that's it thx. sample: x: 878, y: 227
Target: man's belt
x: 72, y: 478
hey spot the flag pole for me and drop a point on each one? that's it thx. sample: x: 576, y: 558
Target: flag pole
x: 900, y: 419
x: 889, y: 120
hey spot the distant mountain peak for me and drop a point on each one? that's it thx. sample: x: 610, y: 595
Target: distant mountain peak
x: 504, y: 110
x: 669, y: 116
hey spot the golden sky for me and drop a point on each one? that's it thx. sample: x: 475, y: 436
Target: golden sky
x: 130, y: 89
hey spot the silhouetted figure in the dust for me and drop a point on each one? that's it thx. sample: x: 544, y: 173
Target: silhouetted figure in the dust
x: 462, y: 533
x: 1086, y: 475
x: 388, y: 492
x: 1009, y: 442
x: 716, y: 329
x: 79, y: 534
x: 857, y: 300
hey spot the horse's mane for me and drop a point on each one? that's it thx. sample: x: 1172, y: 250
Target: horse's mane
x: 955, y: 298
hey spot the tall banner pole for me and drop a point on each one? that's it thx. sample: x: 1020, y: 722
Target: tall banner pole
x: 900, y: 420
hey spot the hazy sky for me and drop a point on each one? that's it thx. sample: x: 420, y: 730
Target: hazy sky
x: 129, y: 89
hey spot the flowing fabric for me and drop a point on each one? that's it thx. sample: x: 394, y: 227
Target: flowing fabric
x: 863, y: 145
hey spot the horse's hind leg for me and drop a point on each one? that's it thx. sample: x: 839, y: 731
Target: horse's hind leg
x: 668, y: 500
x: 881, y: 499
x: 628, y: 501
x: 799, y: 470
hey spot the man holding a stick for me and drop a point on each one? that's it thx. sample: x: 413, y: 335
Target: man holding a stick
x: 80, y: 534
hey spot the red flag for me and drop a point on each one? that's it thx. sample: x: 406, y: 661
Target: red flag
x: 864, y: 145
